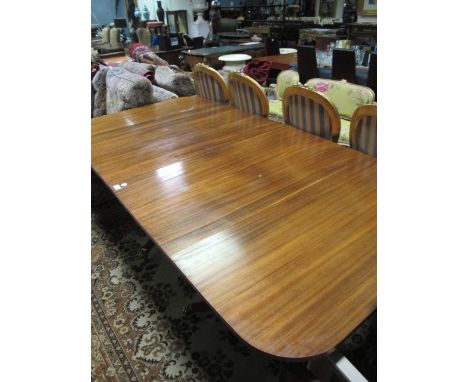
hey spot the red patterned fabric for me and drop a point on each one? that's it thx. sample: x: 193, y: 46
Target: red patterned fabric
x: 258, y: 70
x: 141, y: 53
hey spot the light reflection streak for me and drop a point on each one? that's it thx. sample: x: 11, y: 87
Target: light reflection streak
x: 171, y: 171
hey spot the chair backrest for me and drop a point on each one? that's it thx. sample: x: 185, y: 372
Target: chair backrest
x: 306, y: 62
x: 344, y: 65
x: 311, y: 111
x: 210, y: 84
x: 247, y: 94
x: 285, y: 79
x: 271, y: 46
x: 372, y: 73
x: 363, y: 130
x: 345, y: 96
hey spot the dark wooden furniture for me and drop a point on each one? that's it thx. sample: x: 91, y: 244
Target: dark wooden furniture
x: 344, y: 65
x: 363, y: 33
x: 274, y: 227
x: 271, y: 46
x: 306, y: 63
x: 210, y: 55
x: 177, y: 21
x: 280, y: 61
x: 171, y: 56
x: 233, y: 38
x: 372, y: 75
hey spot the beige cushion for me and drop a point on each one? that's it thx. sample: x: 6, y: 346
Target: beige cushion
x: 345, y: 96
x: 344, y: 132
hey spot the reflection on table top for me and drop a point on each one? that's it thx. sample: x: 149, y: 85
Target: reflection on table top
x: 276, y: 228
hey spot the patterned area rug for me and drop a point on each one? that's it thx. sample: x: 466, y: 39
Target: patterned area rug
x: 140, y: 332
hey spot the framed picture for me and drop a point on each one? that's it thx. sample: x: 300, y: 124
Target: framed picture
x: 367, y: 7
x: 327, y: 8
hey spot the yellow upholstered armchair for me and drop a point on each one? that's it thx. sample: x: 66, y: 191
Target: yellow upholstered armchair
x: 285, y: 79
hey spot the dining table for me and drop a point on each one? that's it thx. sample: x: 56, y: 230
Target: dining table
x: 274, y: 227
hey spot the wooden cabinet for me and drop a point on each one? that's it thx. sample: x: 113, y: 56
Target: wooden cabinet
x: 177, y: 21
x: 363, y: 33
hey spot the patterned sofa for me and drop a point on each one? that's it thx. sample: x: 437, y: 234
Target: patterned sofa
x: 137, y: 84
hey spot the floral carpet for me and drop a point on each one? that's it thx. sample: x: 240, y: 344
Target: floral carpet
x: 140, y: 331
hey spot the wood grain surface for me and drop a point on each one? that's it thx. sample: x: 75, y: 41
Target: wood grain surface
x: 276, y: 228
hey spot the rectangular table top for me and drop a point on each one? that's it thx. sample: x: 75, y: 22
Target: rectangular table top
x: 275, y: 228
x: 225, y: 49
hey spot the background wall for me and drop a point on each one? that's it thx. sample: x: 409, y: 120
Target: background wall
x: 171, y: 5
x: 103, y: 11
x: 367, y: 19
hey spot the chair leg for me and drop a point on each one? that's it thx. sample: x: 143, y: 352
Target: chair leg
x: 146, y: 247
x: 196, y: 307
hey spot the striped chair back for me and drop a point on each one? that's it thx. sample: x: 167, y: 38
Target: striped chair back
x: 210, y: 84
x: 363, y: 130
x: 311, y: 111
x: 247, y: 94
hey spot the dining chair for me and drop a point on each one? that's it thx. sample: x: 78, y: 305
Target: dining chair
x: 271, y: 46
x: 247, y: 94
x: 285, y: 79
x: 344, y: 65
x: 311, y: 111
x: 346, y: 97
x: 363, y: 130
x: 210, y: 84
x: 306, y: 62
x: 372, y: 73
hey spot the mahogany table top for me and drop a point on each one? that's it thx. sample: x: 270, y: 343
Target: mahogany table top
x: 275, y: 228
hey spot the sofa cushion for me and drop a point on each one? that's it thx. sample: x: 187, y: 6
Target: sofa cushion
x: 145, y: 70
x: 344, y: 95
x: 126, y: 90
x: 344, y: 132
x: 99, y: 85
x: 176, y: 82
x: 160, y: 94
